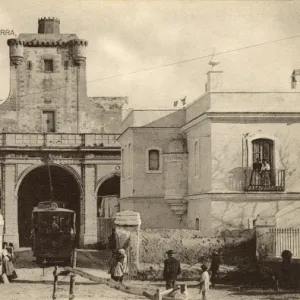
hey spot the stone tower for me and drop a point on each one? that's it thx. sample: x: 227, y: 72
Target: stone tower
x: 47, y: 79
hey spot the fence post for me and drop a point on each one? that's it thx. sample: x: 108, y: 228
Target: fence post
x: 54, y: 283
x: 72, y: 277
x: 265, y: 236
x: 158, y: 295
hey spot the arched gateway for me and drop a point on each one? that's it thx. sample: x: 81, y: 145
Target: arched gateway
x: 35, y: 187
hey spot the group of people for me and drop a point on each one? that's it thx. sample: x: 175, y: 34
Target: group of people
x: 261, y: 173
x: 208, y: 276
x: 118, y: 265
x: 8, y: 258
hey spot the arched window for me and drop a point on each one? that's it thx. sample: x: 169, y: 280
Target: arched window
x: 154, y: 160
x: 122, y: 163
x: 129, y: 160
x: 197, y: 157
x: 197, y: 225
x: 29, y: 65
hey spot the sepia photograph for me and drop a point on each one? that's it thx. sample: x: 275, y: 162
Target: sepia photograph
x: 149, y: 149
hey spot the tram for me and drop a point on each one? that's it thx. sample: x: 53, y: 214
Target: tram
x: 53, y: 232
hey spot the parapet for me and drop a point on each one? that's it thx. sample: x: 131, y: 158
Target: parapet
x: 48, y: 25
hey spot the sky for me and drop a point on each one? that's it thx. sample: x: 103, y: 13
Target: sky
x: 128, y: 36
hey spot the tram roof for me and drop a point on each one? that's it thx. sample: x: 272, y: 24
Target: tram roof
x: 52, y: 210
x: 51, y: 206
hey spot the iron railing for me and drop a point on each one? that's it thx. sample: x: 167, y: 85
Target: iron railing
x: 58, y: 140
x: 273, y: 180
x: 285, y: 239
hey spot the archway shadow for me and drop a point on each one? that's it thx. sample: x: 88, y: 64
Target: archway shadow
x: 36, y: 187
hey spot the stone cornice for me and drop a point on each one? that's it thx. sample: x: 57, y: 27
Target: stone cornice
x: 249, y: 117
x: 247, y: 196
x: 46, y: 43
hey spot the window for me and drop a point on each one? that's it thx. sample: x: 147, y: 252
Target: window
x: 48, y: 65
x: 129, y: 160
x: 66, y: 65
x: 48, y: 121
x: 196, y: 158
x: 154, y: 160
x: 29, y: 65
x: 197, y: 225
x: 122, y: 163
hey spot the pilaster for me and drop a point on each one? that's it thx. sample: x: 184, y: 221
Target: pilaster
x: 89, y: 206
x: 11, y: 233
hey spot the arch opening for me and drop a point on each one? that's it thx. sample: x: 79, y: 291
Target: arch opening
x: 108, y: 205
x: 35, y: 187
x: 107, y: 197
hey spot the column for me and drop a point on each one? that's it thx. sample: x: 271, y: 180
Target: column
x: 265, y: 237
x: 128, y: 224
x: 89, y: 206
x: 11, y: 234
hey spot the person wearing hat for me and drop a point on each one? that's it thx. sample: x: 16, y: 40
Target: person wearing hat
x: 214, y: 266
x: 171, y: 270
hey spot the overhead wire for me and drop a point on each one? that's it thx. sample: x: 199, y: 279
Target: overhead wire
x: 167, y: 65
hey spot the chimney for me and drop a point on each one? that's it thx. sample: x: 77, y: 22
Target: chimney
x: 49, y: 25
x: 294, y: 79
x: 214, y: 81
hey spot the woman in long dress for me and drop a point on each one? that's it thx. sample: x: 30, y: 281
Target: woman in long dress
x: 265, y: 173
x: 7, y: 264
x: 124, y: 260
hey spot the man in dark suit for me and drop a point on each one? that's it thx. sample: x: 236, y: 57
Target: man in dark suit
x: 171, y: 270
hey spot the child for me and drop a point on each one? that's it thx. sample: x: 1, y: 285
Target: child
x: 118, y: 271
x: 204, y: 282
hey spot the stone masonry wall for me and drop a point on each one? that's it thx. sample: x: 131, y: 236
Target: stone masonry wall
x: 189, y: 245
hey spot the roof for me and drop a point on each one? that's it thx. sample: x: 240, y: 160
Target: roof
x: 51, y: 206
x: 48, y: 210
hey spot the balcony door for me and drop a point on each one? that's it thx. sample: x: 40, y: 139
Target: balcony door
x: 48, y: 121
x: 263, y: 149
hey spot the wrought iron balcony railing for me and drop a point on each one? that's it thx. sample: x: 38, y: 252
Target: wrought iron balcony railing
x: 273, y: 180
x: 58, y: 140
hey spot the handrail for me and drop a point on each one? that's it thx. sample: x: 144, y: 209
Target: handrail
x: 58, y: 139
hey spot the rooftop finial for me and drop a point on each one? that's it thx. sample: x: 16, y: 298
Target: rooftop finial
x: 211, y: 62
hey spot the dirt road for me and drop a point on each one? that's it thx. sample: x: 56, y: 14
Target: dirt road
x: 35, y: 283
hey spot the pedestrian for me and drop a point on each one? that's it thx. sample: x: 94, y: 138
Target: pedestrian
x: 284, y: 278
x: 11, y: 251
x: 171, y: 270
x: 112, y: 264
x: 123, y: 255
x: 8, y: 270
x: 214, y: 267
x: 117, y: 271
x: 204, y: 282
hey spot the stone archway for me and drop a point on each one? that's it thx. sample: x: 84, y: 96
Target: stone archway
x: 35, y: 187
x: 108, y: 194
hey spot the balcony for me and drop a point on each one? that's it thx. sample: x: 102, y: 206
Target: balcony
x: 58, y: 140
x: 273, y: 180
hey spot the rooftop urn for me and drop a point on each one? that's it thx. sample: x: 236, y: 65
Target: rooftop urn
x: 16, y: 51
